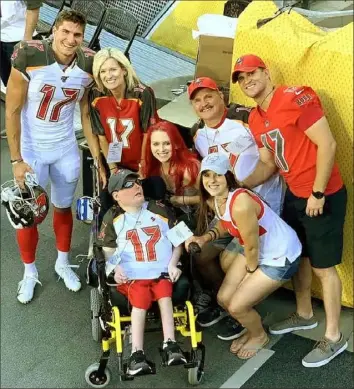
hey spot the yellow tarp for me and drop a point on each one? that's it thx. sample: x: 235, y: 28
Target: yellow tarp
x: 299, y: 53
x: 175, y: 30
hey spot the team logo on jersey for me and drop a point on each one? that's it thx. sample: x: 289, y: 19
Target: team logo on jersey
x: 266, y: 123
x: 37, y: 44
x: 291, y: 89
x: 139, y: 88
x: 64, y: 78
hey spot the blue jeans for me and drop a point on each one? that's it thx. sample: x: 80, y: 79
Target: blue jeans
x: 281, y: 273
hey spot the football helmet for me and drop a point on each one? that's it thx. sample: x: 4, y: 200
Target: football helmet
x: 24, y: 207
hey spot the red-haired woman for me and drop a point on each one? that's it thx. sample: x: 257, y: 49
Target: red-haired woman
x: 166, y: 155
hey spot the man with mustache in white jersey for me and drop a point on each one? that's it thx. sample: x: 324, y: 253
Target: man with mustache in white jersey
x: 224, y: 129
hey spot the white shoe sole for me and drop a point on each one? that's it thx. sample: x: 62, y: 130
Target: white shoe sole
x: 325, y: 361
x: 291, y: 329
x: 232, y: 336
x: 71, y: 289
x: 25, y: 301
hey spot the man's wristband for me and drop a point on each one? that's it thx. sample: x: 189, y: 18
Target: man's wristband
x: 14, y: 161
x: 318, y: 195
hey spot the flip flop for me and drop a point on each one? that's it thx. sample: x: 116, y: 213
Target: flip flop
x: 254, y: 349
x: 237, y: 342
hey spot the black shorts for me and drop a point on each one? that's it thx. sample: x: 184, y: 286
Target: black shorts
x: 321, y: 236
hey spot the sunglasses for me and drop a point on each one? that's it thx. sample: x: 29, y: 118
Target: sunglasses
x: 129, y: 184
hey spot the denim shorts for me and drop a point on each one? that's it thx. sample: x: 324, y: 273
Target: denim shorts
x: 281, y: 273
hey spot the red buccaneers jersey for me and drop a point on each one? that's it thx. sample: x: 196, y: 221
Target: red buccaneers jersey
x: 281, y: 129
x: 125, y: 122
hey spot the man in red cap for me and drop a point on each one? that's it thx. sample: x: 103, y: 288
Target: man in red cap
x: 225, y: 129
x: 290, y: 126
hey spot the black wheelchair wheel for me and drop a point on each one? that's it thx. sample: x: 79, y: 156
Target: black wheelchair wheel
x: 95, y: 302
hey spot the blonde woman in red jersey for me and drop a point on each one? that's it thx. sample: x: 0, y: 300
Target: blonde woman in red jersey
x: 121, y: 110
x: 293, y: 134
x: 271, y: 250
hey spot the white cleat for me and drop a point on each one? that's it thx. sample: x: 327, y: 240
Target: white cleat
x: 26, y: 287
x: 70, y: 278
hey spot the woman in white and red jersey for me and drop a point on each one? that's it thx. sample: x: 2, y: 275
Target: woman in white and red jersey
x: 271, y: 250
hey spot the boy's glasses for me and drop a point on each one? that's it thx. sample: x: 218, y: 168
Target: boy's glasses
x: 129, y: 184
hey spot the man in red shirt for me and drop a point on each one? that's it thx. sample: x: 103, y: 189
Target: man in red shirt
x: 293, y: 135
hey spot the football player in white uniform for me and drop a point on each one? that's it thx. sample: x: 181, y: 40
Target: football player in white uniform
x: 134, y: 237
x: 47, y: 78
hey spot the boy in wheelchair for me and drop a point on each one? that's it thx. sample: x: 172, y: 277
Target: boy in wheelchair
x: 142, y: 261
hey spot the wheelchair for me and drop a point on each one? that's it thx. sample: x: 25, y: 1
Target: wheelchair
x: 110, y: 316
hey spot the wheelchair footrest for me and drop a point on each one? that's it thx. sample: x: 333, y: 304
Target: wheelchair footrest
x: 164, y: 358
x: 125, y: 376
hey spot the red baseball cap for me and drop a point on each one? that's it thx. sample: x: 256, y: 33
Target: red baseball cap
x: 199, y: 83
x: 247, y: 63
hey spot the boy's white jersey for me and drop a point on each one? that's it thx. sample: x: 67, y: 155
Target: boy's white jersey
x: 277, y: 240
x: 142, y: 247
x: 47, y: 119
x: 234, y: 128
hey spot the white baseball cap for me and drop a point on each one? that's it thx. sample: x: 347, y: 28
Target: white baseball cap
x: 216, y: 162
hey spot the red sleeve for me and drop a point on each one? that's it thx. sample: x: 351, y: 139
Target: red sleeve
x: 309, y: 108
x: 309, y: 116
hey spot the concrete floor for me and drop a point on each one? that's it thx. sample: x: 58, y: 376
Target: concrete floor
x: 48, y: 344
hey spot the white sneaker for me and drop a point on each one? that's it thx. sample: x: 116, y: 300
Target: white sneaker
x: 26, y: 287
x: 70, y: 278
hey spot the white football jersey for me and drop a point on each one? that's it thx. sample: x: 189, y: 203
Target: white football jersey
x: 47, y: 120
x: 277, y: 240
x: 142, y: 247
x: 233, y: 129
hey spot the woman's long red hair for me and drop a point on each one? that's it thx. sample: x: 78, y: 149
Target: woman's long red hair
x: 182, y: 158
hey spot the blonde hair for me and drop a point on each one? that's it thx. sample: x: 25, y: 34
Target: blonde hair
x: 131, y: 78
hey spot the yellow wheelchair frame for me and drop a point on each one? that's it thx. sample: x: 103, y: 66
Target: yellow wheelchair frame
x: 98, y: 374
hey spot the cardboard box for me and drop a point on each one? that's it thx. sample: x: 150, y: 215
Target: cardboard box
x: 214, y: 59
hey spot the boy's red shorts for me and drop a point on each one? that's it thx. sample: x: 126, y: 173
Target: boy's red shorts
x: 141, y: 293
